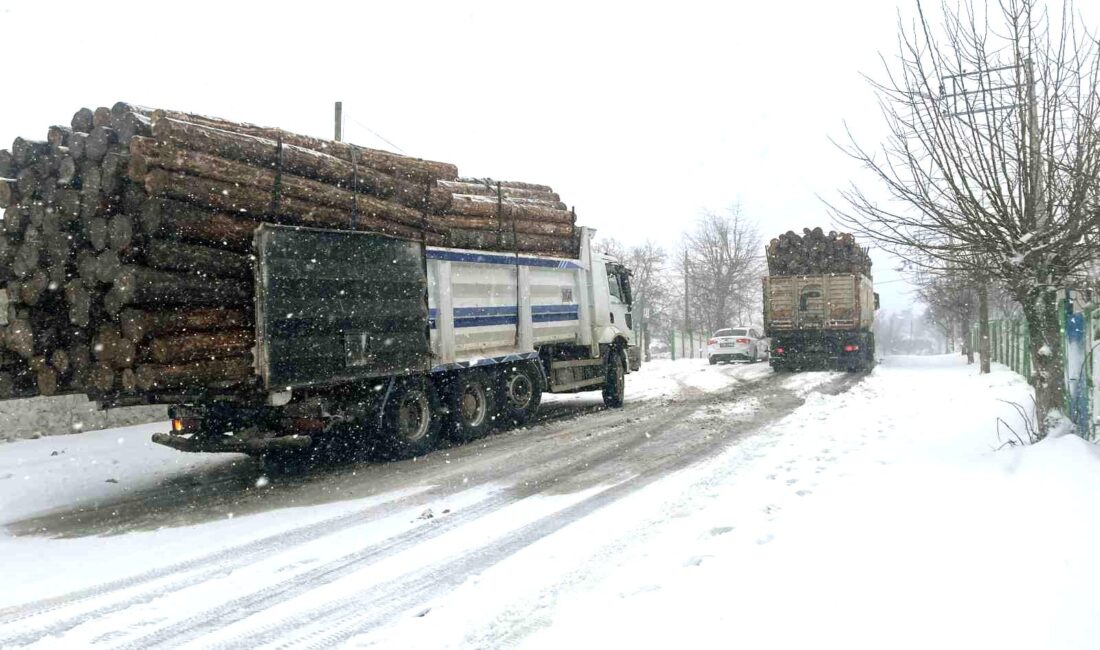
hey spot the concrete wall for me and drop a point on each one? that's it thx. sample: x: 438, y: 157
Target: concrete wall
x: 52, y: 416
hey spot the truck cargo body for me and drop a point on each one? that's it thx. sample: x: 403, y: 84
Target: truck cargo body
x: 387, y: 341
x: 820, y: 320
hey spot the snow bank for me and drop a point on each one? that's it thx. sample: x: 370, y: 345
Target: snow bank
x: 50, y: 416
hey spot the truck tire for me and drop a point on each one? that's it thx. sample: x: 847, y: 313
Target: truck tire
x: 614, y: 383
x: 411, y: 420
x: 471, y: 406
x: 712, y: 360
x: 519, y: 393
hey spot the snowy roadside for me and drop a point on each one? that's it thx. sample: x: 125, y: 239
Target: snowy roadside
x: 878, y: 518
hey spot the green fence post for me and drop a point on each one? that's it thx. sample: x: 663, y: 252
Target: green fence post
x: 1015, y: 346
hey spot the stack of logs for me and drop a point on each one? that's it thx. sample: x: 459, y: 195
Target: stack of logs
x: 127, y: 238
x: 816, y: 252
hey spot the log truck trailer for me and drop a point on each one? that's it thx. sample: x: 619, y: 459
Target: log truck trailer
x: 363, y: 339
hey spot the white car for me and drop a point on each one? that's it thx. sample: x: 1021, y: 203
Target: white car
x: 737, y: 343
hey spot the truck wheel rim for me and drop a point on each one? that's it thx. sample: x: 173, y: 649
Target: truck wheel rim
x: 413, y: 417
x: 519, y: 390
x: 472, y: 405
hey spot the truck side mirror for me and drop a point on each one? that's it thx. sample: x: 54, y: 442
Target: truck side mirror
x: 624, y: 278
x: 876, y: 301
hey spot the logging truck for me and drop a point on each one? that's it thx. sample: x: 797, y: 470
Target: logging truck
x: 819, y: 302
x: 388, y: 344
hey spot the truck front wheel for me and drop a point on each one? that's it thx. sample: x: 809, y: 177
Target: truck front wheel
x: 519, y: 393
x: 614, y: 384
x: 411, y: 421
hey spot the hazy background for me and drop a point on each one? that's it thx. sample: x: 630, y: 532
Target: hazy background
x: 638, y: 114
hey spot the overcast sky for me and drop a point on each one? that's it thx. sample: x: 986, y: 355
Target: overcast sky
x: 638, y: 114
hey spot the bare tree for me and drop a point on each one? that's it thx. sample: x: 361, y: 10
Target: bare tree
x: 611, y: 247
x: 649, y: 282
x: 951, y: 301
x: 992, y: 159
x: 725, y: 267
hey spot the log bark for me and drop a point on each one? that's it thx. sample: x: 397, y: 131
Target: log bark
x: 83, y: 120
x: 9, y: 194
x: 136, y: 325
x: 19, y: 337
x: 101, y: 377
x: 66, y: 171
x: 60, y: 361
x: 229, y: 197
x: 201, y: 345
x: 391, y: 163
x: 34, y: 287
x: 170, y: 255
x: 163, y: 218
x: 521, y: 226
x: 25, y: 153
x: 488, y: 188
x: 95, y: 230
x: 80, y: 303
x: 76, y: 145
x: 144, y: 286
x: 523, y: 243
x: 108, y: 266
x: 114, y: 168
x: 99, y: 142
x: 120, y: 232
x: 111, y: 348
x: 298, y: 161
x: 58, y: 136
x: 46, y: 379
x: 511, y: 184
x: 146, y: 154
x: 480, y: 206
x: 152, y: 377
x: 101, y: 117
x: 86, y: 267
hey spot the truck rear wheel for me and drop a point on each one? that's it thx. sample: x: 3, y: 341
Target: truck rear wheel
x: 519, y: 393
x: 411, y: 421
x: 614, y: 384
x: 470, y: 405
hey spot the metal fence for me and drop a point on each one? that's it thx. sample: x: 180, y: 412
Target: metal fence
x: 1010, y: 344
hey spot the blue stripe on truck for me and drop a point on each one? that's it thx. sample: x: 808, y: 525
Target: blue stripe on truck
x: 510, y: 260
x: 486, y: 316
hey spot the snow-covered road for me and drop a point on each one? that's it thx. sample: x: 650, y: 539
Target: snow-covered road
x: 667, y: 521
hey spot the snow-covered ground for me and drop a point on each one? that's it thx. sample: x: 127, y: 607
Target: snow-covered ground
x: 724, y: 506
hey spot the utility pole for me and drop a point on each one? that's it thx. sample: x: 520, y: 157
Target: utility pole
x: 687, y: 317
x: 339, y: 121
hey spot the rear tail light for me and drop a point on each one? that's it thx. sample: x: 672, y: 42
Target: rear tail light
x: 184, y: 425
x: 851, y: 348
x: 744, y: 341
x: 779, y: 350
x: 711, y: 341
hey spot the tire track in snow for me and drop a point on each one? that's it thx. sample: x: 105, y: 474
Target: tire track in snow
x: 337, y: 622
x: 202, y: 623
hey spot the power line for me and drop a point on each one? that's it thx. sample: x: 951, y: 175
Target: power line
x: 374, y: 133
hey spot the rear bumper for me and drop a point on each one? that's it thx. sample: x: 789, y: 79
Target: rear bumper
x: 222, y: 443
x: 728, y: 355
